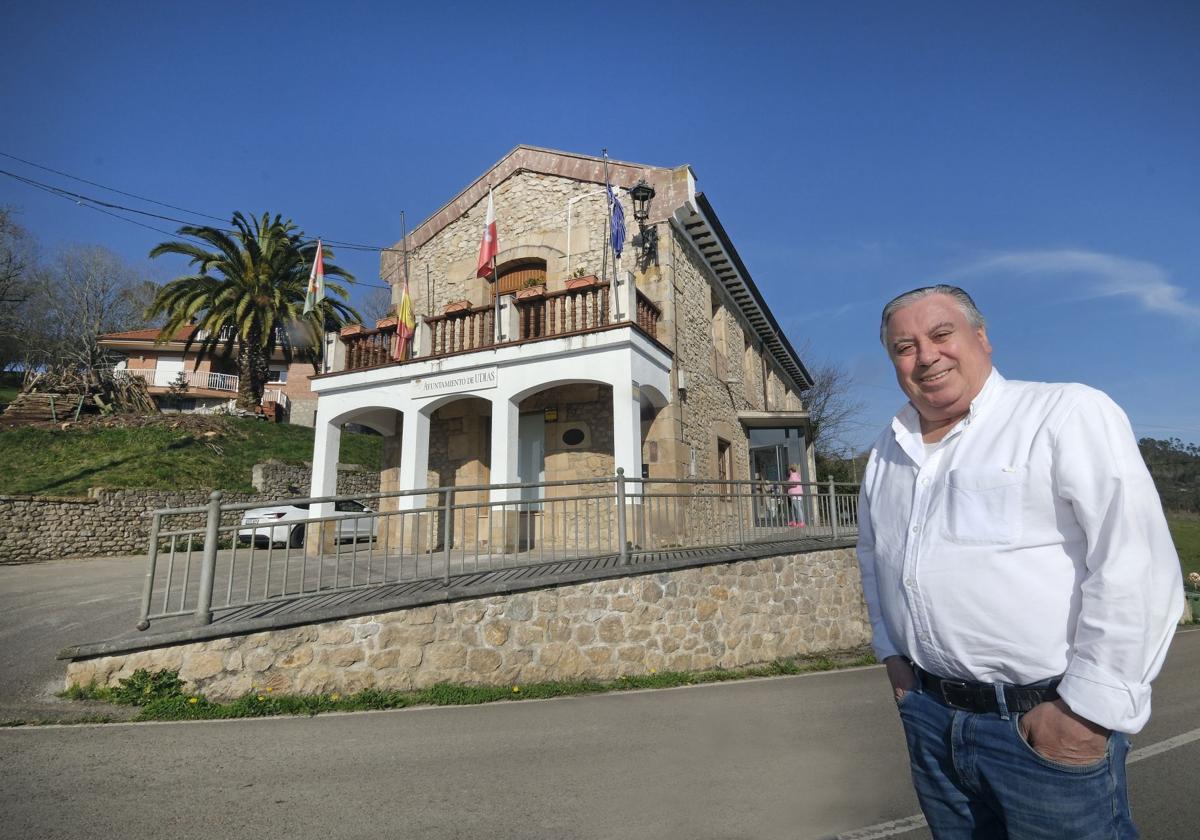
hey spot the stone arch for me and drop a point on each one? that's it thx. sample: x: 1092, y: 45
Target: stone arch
x: 383, y: 419
x: 554, y: 258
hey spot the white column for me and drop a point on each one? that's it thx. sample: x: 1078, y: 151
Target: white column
x: 623, y: 297
x: 627, y: 429
x: 422, y: 337
x: 505, y: 420
x: 326, y: 447
x: 508, y: 325
x: 414, y: 456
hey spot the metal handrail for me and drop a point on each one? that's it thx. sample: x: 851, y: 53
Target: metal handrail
x: 454, y: 531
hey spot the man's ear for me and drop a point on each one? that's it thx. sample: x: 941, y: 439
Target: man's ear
x: 983, y: 339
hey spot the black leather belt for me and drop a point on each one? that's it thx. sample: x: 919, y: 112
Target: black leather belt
x: 981, y: 697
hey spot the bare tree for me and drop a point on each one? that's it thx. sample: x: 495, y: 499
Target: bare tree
x: 832, y: 411
x: 18, y: 256
x: 377, y: 306
x: 87, y: 291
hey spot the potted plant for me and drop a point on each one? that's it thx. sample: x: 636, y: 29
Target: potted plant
x: 583, y: 281
x: 532, y: 289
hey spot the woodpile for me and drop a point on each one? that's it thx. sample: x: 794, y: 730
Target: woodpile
x: 62, y: 394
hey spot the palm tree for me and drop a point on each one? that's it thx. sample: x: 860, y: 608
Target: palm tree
x: 248, y: 295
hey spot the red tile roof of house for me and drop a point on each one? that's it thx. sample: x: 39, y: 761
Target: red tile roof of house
x: 182, y: 334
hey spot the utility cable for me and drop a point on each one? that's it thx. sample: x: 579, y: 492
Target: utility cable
x: 114, y: 210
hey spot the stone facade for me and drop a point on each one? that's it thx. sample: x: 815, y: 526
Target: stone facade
x: 117, y: 522
x: 727, y: 368
x: 719, y: 616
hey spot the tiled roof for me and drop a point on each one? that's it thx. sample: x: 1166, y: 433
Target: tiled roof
x: 182, y: 334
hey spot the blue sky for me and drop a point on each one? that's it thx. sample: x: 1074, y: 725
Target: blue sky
x: 1046, y: 156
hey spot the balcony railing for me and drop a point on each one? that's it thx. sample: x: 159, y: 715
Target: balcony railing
x: 538, y: 316
x: 203, y: 380
x: 222, y: 557
x: 468, y: 329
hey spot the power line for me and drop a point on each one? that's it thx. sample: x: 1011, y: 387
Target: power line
x: 356, y: 246
x: 110, y: 189
x: 99, y: 205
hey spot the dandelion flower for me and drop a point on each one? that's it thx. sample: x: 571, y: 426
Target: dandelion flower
x: 193, y: 699
x: 269, y: 689
x: 335, y: 697
x: 516, y: 689
x: 653, y: 670
x: 261, y: 698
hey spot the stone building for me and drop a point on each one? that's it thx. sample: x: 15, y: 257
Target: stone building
x: 569, y: 362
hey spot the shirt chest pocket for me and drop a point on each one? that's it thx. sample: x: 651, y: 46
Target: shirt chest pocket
x: 983, y: 505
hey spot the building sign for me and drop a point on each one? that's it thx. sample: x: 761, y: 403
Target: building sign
x: 452, y: 383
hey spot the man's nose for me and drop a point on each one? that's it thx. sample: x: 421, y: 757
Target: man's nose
x: 927, y: 354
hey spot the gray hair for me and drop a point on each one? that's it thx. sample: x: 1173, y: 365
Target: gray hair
x: 969, y: 310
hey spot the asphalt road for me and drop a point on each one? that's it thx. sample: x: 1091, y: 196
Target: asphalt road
x: 795, y: 757
x: 44, y: 607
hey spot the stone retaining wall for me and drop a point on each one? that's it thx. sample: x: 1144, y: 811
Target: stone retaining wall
x: 718, y: 616
x: 116, y: 522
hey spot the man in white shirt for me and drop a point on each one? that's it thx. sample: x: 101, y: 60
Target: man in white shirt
x: 1021, y: 583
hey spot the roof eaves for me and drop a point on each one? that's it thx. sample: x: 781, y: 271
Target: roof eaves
x: 748, y: 297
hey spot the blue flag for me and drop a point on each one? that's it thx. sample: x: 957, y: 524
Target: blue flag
x: 618, y: 221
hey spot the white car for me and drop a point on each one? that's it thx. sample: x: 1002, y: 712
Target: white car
x: 284, y: 524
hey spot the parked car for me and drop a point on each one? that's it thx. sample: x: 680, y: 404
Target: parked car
x: 284, y: 524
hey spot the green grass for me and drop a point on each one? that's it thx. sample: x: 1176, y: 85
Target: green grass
x: 1186, y: 532
x: 56, y: 462
x: 160, y: 694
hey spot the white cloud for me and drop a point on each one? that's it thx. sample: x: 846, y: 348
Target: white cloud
x: 1103, y: 275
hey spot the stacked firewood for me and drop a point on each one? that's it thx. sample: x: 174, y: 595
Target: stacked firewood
x: 61, y: 394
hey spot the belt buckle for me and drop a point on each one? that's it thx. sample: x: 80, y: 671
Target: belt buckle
x: 963, y: 690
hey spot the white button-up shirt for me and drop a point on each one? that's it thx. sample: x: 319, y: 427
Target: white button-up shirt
x: 1030, y: 543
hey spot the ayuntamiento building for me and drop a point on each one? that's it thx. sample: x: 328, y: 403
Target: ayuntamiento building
x: 570, y: 363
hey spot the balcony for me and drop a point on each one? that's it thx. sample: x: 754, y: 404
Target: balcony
x: 536, y: 315
x: 197, y: 380
x: 221, y: 383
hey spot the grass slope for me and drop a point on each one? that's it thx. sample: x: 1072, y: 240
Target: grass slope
x: 167, y: 454
x: 1186, y: 532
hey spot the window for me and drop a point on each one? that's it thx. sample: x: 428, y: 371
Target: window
x: 724, y: 460
x: 518, y: 274
x: 279, y: 376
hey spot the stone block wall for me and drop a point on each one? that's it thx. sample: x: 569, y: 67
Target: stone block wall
x: 274, y: 480
x: 718, y: 616
x: 116, y: 522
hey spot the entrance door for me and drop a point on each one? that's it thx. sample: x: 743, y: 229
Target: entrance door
x: 531, y: 458
x: 531, y: 469
x: 768, y: 466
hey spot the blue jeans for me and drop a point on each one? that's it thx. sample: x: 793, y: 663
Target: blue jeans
x: 977, y: 778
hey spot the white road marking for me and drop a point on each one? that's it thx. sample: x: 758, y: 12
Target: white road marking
x: 907, y: 824
x: 1163, y: 746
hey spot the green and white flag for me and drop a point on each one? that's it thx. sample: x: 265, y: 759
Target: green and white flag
x: 316, y: 282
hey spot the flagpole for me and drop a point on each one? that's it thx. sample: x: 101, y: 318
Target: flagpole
x: 404, y: 242
x: 404, y: 246
x: 607, y: 219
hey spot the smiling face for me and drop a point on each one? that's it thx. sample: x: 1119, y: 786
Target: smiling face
x: 941, y: 360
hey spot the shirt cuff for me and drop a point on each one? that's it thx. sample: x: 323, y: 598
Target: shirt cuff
x: 883, y: 647
x: 1098, y: 696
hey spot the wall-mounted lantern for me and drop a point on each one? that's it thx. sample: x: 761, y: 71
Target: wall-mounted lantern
x: 647, y: 239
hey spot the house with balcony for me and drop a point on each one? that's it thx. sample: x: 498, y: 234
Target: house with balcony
x: 569, y: 362
x: 211, y: 382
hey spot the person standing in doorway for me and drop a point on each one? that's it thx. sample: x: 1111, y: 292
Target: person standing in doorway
x: 795, y: 494
x: 1021, y: 583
